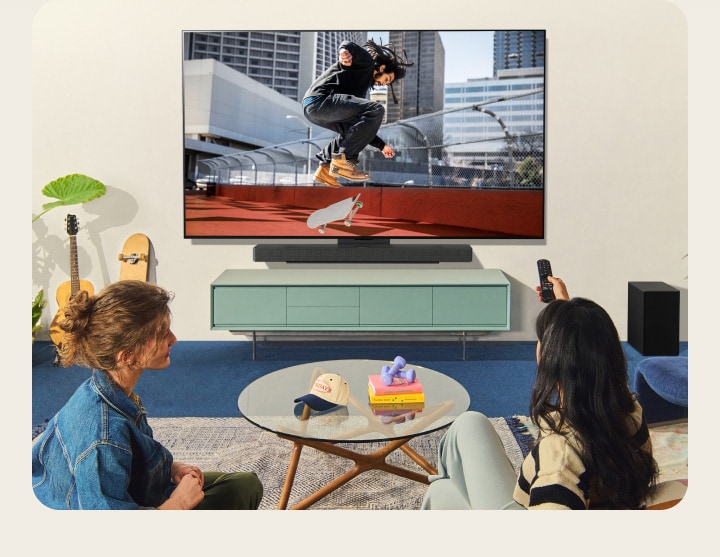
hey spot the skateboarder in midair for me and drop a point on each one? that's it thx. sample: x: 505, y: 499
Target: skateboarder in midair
x: 336, y: 101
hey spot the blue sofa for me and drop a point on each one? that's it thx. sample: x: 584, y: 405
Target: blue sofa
x: 661, y: 384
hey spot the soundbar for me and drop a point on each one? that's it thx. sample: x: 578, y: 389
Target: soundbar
x: 370, y: 252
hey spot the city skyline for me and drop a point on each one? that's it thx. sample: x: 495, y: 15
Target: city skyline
x: 461, y: 63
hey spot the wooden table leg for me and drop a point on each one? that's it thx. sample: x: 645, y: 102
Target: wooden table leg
x: 363, y: 463
x: 290, y: 476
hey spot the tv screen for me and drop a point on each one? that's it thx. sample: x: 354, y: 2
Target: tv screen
x: 464, y: 127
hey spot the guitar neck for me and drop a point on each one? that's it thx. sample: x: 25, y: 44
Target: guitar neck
x: 74, y: 270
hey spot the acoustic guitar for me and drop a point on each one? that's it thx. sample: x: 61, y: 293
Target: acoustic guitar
x: 68, y: 288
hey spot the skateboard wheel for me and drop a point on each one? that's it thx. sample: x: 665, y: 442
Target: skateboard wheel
x: 359, y: 204
x: 348, y: 222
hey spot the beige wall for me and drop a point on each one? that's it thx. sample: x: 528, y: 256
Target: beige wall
x: 107, y: 102
x: 111, y: 109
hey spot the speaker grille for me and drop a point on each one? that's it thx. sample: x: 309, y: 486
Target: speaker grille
x: 328, y: 253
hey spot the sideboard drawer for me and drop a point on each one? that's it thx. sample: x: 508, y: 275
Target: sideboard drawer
x: 323, y: 316
x: 323, y: 296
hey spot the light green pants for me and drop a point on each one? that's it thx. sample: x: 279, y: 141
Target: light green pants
x: 474, y: 471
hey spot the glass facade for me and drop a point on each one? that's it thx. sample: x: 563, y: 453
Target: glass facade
x: 514, y: 106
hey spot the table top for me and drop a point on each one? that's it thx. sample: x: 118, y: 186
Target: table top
x: 268, y: 403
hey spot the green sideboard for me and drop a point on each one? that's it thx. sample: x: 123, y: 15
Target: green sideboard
x: 377, y: 300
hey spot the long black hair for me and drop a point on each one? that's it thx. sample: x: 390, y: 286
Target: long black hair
x: 582, y: 383
x: 393, y: 62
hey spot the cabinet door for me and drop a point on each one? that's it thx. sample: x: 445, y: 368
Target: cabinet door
x: 249, y: 306
x: 485, y: 306
x: 391, y: 306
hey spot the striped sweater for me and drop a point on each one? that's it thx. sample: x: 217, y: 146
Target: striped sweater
x: 553, y: 475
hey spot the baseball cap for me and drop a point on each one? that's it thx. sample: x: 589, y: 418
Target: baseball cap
x: 329, y: 390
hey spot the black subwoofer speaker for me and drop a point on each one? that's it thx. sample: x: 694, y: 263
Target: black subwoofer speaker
x: 654, y: 318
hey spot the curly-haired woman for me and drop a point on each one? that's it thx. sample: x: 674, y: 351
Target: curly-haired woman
x: 98, y: 451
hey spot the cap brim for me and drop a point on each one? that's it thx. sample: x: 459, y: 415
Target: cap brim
x: 337, y: 410
x: 315, y: 402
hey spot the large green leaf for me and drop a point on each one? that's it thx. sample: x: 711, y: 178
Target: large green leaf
x: 71, y: 190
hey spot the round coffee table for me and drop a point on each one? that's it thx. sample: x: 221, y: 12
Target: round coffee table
x: 268, y: 403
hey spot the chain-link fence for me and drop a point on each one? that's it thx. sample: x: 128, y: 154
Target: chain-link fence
x: 494, y: 144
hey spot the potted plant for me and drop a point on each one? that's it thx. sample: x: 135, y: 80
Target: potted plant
x: 72, y: 189
x: 39, y: 303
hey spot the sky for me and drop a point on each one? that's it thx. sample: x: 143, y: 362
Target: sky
x: 468, y: 54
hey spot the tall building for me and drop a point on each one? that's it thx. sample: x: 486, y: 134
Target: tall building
x: 286, y: 61
x: 421, y: 90
x: 514, y: 50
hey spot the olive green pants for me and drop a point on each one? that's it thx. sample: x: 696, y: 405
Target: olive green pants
x: 231, y: 491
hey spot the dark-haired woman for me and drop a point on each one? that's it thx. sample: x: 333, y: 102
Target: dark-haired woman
x: 98, y: 451
x: 336, y: 101
x: 593, y: 448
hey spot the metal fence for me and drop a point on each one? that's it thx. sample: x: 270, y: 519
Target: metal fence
x: 495, y: 144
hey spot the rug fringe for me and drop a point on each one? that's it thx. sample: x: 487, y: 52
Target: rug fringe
x: 524, y: 437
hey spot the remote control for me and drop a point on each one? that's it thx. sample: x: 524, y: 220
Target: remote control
x: 546, y: 287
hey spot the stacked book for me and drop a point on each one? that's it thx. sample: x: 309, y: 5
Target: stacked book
x: 398, y: 392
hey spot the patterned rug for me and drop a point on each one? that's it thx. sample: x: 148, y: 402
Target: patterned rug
x: 233, y: 444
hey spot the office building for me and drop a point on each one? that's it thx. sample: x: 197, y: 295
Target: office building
x: 481, y: 138
x: 286, y: 61
x: 421, y: 91
x: 515, y: 50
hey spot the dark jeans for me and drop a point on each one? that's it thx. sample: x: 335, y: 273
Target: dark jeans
x: 355, y: 120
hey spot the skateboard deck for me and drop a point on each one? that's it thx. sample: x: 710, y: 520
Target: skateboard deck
x: 134, y: 258
x: 344, y: 209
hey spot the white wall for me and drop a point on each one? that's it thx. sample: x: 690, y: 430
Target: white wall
x: 106, y: 102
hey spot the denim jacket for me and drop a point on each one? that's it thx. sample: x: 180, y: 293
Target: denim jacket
x: 98, y: 452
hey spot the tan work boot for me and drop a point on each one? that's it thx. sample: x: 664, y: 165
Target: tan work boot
x: 323, y: 176
x: 349, y: 170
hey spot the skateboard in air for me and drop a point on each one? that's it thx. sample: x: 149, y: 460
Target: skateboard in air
x: 344, y: 209
x: 134, y: 258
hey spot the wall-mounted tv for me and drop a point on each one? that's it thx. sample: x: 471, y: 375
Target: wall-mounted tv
x: 465, y: 124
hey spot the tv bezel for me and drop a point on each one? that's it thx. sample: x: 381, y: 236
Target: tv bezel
x: 369, y: 248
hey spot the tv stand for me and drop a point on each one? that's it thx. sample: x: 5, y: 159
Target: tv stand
x: 364, y: 300
x: 362, y: 250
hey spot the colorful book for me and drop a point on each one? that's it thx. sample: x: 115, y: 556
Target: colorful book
x: 398, y: 386
x: 396, y: 398
x: 397, y: 409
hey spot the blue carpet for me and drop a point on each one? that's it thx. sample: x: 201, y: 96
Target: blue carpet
x: 205, y: 378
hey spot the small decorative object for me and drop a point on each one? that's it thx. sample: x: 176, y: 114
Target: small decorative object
x: 389, y: 373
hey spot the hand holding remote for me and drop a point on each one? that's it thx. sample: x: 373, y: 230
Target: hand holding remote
x: 545, y: 290
x: 557, y: 288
